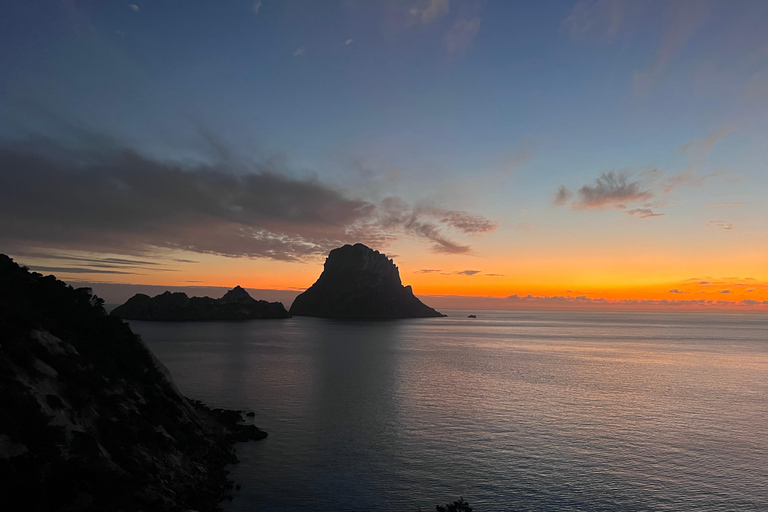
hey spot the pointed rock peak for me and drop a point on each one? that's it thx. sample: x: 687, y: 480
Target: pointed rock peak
x: 236, y: 294
x: 169, y: 295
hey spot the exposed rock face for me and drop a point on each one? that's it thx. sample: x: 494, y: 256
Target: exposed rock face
x: 360, y: 283
x: 236, y: 304
x: 89, y: 419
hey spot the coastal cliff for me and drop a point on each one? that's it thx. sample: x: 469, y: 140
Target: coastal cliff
x: 90, y: 420
x: 360, y: 283
x: 236, y: 304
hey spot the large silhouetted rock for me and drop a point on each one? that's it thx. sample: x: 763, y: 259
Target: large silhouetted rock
x: 236, y: 304
x: 360, y: 283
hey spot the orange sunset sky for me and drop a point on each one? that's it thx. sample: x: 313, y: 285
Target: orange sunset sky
x: 575, y: 154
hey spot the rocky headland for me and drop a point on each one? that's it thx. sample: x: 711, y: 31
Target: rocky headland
x: 360, y: 283
x: 236, y: 304
x: 90, y: 420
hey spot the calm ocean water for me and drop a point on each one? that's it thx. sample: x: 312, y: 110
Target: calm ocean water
x: 521, y: 411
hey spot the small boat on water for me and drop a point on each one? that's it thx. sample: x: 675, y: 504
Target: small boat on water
x: 472, y: 316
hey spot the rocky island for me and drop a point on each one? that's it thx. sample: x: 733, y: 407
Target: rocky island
x: 360, y: 283
x: 89, y: 419
x: 236, y: 304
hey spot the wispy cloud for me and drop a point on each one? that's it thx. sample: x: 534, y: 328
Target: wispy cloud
x: 600, y: 19
x: 105, y: 261
x: 77, y: 270
x: 644, y: 213
x: 464, y: 222
x: 460, y: 37
x: 580, y: 301
x: 442, y: 244
x: 675, y: 290
x: 427, y: 221
x: 299, y: 52
x: 562, y: 196
x: 727, y: 226
x: 74, y: 264
x: 698, y: 150
x: 349, y: 42
x: 427, y: 11
x: 752, y: 302
x: 455, y: 272
x: 684, y: 19
x: 256, y: 7
x: 610, y: 189
x: 584, y: 301
x: 711, y: 285
x: 454, y: 29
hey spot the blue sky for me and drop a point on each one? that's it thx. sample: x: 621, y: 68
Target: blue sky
x: 484, y: 108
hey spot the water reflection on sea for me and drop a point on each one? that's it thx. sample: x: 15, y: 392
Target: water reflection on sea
x: 512, y: 410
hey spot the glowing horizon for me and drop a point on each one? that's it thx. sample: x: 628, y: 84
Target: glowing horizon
x: 615, y: 151
x: 471, y: 285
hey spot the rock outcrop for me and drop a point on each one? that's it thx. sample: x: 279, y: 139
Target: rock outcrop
x: 360, y: 283
x: 236, y: 304
x: 89, y: 419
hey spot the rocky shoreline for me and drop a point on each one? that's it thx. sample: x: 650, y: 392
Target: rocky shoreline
x: 90, y: 419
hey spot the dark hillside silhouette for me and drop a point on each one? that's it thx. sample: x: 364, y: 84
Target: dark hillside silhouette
x: 89, y: 419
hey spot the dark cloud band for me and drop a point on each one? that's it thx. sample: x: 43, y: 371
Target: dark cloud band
x: 119, y: 201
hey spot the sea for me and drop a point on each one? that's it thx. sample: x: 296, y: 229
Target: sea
x: 512, y: 410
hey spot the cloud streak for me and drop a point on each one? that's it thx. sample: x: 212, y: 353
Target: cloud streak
x: 600, y: 19
x: 644, y: 213
x: 685, y: 17
x: 460, y: 37
x: 427, y: 221
x: 427, y: 11
x: 581, y: 301
x: 77, y: 270
x: 698, y: 150
x: 727, y: 226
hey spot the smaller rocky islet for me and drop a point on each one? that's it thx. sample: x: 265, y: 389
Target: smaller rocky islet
x: 236, y: 304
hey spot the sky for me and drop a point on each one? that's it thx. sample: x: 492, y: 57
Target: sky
x: 506, y: 154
